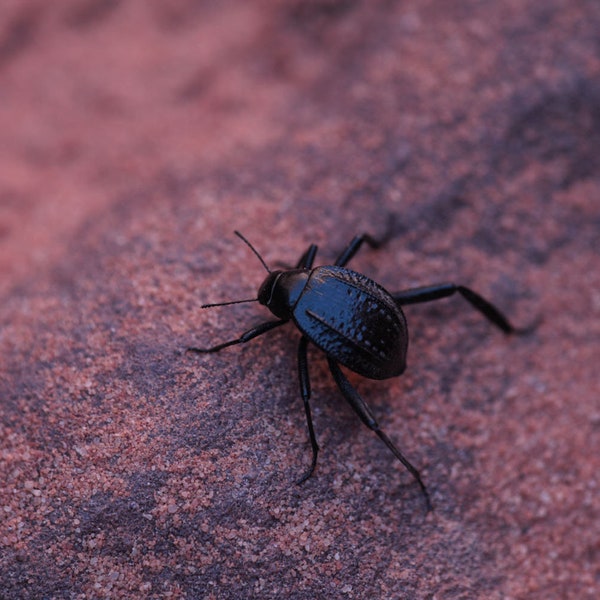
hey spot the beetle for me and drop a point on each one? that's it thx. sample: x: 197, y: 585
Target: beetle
x: 355, y: 321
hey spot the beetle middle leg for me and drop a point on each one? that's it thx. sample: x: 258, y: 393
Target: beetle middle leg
x: 353, y: 248
x: 305, y: 393
x: 442, y: 290
x: 366, y: 416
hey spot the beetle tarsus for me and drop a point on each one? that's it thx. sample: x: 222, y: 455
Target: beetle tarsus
x: 310, y: 471
x: 409, y: 467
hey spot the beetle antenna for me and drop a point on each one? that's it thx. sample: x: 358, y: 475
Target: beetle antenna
x: 264, y: 264
x: 230, y: 302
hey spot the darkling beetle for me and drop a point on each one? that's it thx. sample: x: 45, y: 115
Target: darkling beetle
x: 354, y: 321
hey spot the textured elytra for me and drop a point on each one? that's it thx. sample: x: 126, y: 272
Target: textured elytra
x: 355, y: 321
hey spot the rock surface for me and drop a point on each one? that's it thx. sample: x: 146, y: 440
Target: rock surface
x: 136, y: 136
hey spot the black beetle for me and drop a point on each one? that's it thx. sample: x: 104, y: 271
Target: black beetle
x: 353, y: 320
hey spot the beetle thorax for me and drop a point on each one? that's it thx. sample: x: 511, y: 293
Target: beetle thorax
x: 280, y: 291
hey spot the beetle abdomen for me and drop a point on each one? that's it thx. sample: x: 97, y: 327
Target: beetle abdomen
x: 354, y: 320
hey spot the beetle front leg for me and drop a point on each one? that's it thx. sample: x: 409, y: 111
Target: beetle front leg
x: 366, y: 416
x: 245, y: 337
x: 305, y: 393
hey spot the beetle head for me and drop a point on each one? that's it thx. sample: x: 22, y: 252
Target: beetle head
x: 280, y: 291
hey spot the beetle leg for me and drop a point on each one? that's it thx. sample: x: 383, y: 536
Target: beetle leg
x: 305, y: 393
x: 442, y: 290
x: 353, y: 248
x: 307, y: 259
x: 245, y: 337
x: 366, y: 416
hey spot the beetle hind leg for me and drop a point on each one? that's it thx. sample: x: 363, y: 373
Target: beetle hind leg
x: 366, y: 416
x: 305, y: 393
x: 443, y: 290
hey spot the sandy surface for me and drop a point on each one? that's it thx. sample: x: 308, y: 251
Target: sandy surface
x: 136, y: 136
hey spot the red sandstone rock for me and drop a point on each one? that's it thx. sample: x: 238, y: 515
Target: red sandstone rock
x: 135, y: 137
